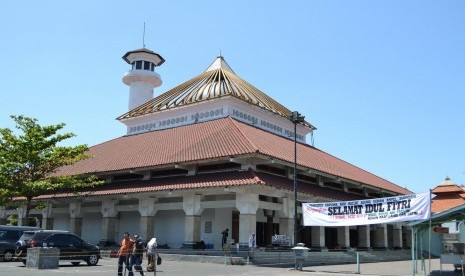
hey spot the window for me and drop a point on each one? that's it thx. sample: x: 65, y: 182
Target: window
x: 9, y: 235
x: 13, y: 235
x: 139, y: 64
x: 146, y: 65
x: 58, y: 240
x: 152, y: 67
x: 75, y: 241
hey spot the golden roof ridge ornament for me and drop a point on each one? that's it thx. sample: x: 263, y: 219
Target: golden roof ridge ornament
x: 217, y: 81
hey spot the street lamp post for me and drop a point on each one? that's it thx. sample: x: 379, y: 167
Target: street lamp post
x: 295, y: 118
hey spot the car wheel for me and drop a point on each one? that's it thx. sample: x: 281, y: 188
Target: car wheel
x: 92, y: 260
x: 75, y: 263
x: 18, y: 252
x: 8, y: 257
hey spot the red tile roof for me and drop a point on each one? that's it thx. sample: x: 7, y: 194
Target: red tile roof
x: 446, y: 201
x: 211, y: 180
x: 447, y: 196
x: 214, y: 139
x: 447, y: 189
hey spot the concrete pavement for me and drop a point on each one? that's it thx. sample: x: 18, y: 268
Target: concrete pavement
x: 107, y: 267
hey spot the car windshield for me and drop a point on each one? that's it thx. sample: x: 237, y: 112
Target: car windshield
x: 26, y: 235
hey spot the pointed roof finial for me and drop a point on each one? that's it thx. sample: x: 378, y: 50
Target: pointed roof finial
x: 447, y: 182
x: 219, y: 63
x: 143, y: 37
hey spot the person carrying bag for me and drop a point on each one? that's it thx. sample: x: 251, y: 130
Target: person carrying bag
x: 151, y: 252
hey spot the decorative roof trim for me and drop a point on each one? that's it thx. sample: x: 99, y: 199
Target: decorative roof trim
x: 144, y: 50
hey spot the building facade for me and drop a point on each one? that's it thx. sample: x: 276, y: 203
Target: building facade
x: 210, y: 154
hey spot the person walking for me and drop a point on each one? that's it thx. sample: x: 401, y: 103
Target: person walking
x: 252, y: 244
x: 124, y: 254
x: 137, y: 255
x: 224, y: 238
x: 151, y: 251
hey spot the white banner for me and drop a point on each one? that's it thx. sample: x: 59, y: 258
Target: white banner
x: 368, y: 211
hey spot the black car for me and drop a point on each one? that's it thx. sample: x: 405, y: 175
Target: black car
x: 8, y: 237
x: 71, y: 247
x: 21, y: 243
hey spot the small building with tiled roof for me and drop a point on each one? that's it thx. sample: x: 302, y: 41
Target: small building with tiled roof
x: 446, y: 226
x: 210, y: 154
x: 447, y: 196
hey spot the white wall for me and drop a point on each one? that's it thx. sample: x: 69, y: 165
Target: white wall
x: 208, y: 215
x: 61, y: 222
x: 462, y: 232
x: 261, y: 217
x: 452, y: 225
x: 128, y: 222
x: 169, y: 228
x: 222, y: 221
x: 91, y: 227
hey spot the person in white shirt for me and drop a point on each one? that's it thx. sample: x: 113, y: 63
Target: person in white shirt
x: 252, y: 244
x: 151, y: 251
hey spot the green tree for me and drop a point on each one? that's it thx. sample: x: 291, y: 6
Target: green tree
x: 29, y: 163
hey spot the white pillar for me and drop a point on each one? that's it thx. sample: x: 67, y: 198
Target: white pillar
x: 147, y: 212
x: 75, y: 221
x: 191, y: 207
x: 286, y: 221
x: 3, y: 215
x: 21, y: 215
x: 397, y: 236
x: 47, y: 217
x: 364, y: 236
x: 247, y: 204
x: 343, y: 237
x: 318, y: 236
x: 381, y: 240
x: 109, y: 222
x: 407, y: 232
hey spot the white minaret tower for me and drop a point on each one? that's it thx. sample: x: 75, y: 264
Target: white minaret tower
x: 142, y: 78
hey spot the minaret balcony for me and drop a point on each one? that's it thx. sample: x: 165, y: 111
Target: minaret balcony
x: 136, y: 75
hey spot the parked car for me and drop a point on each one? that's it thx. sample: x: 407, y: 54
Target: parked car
x: 21, y: 249
x: 71, y: 247
x: 8, y: 237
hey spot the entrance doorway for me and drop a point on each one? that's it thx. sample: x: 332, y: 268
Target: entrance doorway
x: 331, y: 237
x: 235, y: 226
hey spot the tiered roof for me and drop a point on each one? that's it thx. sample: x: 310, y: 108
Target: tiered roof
x: 448, y: 195
x: 211, y: 140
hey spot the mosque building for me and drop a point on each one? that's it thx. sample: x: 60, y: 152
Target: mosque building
x: 210, y: 154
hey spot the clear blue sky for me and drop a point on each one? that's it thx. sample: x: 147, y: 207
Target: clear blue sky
x: 383, y: 81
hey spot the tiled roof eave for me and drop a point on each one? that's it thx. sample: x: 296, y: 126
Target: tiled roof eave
x: 252, y: 154
x: 206, y: 181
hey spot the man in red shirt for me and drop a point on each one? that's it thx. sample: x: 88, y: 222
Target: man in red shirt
x: 124, y: 254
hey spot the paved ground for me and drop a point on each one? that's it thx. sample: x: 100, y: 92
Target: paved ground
x: 107, y: 267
